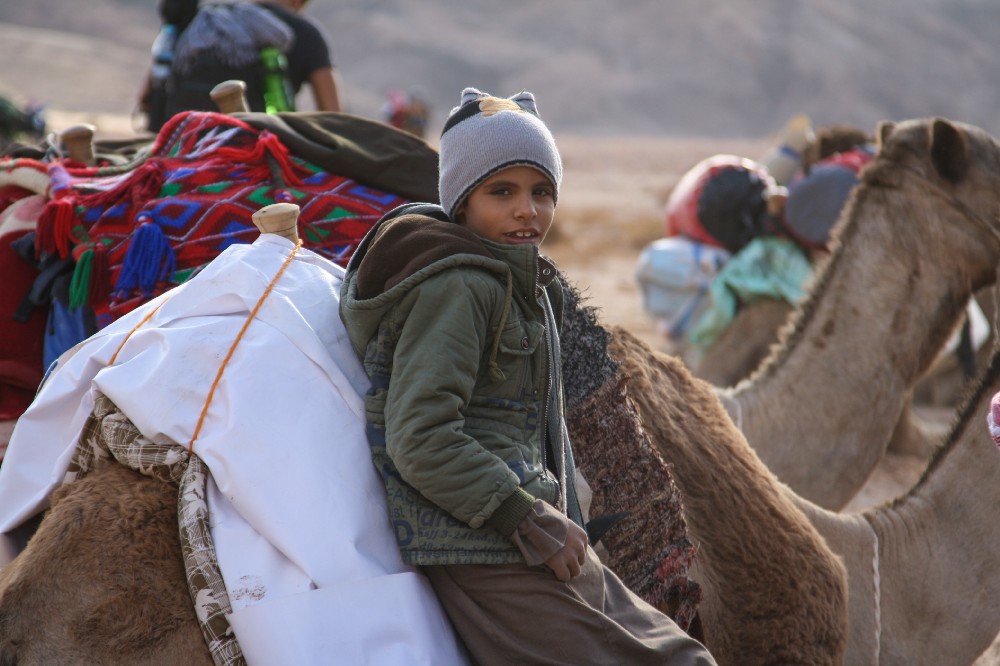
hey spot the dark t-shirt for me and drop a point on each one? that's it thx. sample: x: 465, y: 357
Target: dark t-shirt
x: 310, y: 50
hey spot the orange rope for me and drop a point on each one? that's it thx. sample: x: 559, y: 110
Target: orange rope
x: 232, y: 349
x: 136, y: 328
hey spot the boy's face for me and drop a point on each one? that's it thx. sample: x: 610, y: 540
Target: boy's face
x: 514, y: 206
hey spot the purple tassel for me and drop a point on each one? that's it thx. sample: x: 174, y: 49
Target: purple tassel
x: 149, y: 260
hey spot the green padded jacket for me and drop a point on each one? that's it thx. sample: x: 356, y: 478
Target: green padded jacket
x: 459, y: 338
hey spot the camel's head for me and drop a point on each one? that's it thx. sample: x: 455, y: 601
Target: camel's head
x: 948, y: 147
x: 949, y: 171
x: 936, y: 148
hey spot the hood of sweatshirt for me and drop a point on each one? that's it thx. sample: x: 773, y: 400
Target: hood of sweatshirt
x: 408, y: 245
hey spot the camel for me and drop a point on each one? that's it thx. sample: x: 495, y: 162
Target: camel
x: 775, y: 596
x: 709, y: 465
x: 921, y: 569
x: 746, y: 342
x: 942, y: 530
x: 133, y: 605
x: 848, y: 365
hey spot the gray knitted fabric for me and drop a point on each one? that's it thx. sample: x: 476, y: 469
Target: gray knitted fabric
x: 486, y: 134
x: 233, y: 33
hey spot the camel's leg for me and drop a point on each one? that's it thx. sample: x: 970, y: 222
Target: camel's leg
x: 102, y: 580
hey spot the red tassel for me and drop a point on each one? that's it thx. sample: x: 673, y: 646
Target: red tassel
x: 255, y: 158
x: 64, y: 229
x: 100, y: 285
x: 55, y: 228
x: 274, y: 146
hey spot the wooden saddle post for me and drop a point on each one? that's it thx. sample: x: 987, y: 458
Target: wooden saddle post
x: 279, y: 218
x: 231, y: 97
x: 78, y: 140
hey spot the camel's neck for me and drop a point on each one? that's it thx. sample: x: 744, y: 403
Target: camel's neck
x: 821, y: 410
x: 749, y: 534
x: 940, y: 544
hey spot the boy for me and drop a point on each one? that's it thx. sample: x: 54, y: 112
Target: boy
x: 455, y: 316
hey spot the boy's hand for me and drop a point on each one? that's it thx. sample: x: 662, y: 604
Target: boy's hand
x: 547, y: 536
x: 568, y: 561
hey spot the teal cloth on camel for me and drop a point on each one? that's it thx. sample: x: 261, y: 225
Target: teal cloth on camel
x: 768, y: 267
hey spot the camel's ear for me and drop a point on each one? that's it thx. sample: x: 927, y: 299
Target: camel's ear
x: 948, y: 150
x: 882, y: 132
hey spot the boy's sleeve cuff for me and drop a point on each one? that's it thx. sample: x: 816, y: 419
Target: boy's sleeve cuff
x: 511, y: 512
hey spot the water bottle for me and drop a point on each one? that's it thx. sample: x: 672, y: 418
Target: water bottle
x: 159, y: 75
x: 277, y: 91
x: 163, y: 52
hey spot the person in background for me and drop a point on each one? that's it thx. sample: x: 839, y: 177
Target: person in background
x: 198, y: 48
x: 456, y: 316
x: 407, y: 112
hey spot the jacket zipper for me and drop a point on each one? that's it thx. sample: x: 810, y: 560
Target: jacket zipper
x: 542, y: 301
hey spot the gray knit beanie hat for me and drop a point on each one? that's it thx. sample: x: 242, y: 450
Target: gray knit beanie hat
x: 486, y: 134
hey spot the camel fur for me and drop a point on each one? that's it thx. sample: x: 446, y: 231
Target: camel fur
x: 773, y: 592
x: 938, y: 550
x: 102, y: 580
x: 745, y: 343
x: 938, y: 546
x: 755, y: 332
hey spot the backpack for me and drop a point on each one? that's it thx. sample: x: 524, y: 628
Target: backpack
x: 231, y: 41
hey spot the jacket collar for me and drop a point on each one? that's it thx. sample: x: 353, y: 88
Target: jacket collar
x: 530, y: 270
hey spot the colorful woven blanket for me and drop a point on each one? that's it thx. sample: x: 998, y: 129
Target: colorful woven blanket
x: 135, y: 232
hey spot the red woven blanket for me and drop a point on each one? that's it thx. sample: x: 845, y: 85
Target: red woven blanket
x: 139, y: 230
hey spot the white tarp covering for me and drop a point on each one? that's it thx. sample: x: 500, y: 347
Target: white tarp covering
x: 297, y: 510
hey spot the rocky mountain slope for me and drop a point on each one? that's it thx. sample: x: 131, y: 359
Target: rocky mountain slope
x: 735, y: 68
